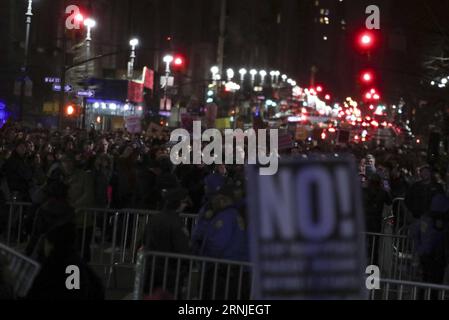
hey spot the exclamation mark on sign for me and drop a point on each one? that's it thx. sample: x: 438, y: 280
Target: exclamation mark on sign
x: 347, y: 226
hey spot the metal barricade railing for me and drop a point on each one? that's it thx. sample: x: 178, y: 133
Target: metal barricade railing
x: 13, y: 232
x: 183, y: 277
x: 111, y: 238
x: 119, y: 232
x: 401, y: 216
x: 394, y: 254
x: 405, y: 290
x: 22, y: 270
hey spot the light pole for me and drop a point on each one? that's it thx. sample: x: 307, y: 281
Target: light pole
x: 28, y: 15
x: 89, y: 23
x: 243, y: 73
x: 168, y: 59
x: 277, y: 74
x: 24, y: 68
x: 215, y: 76
x: 230, y: 73
x: 133, y: 43
x: 253, y: 73
x: 273, y: 75
x: 263, y: 74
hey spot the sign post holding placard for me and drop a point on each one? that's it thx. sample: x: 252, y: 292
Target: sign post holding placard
x: 306, y: 231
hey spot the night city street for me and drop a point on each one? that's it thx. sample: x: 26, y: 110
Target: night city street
x: 245, y: 151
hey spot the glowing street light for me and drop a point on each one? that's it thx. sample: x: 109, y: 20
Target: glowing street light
x: 89, y: 23
x: 214, y: 70
x: 133, y: 43
x: 230, y: 74
x: 243, y: 73
x: 263, y: 74
x: 277, y: 74
x: 253, y: 73
x: 168, y: 59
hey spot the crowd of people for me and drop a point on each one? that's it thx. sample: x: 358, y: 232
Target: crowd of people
x: 63, y: 172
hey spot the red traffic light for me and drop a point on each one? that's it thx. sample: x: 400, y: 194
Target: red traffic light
x: 367, y: 76
x: 79, y: 17
x: 178, y: 61
x: 366, y: 40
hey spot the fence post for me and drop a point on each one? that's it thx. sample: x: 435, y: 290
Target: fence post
x: 140, y: 276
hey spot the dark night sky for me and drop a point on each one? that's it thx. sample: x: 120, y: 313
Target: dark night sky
x: 261, y: 33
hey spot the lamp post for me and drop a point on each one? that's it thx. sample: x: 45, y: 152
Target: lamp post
x: 243, y: 73
x: 168, y: 59
x: 262, y: 74
x: 253, y: 73
x: 89, y: 23
x: 272, y: 75
x: 230, y: 74
x: 277, y: 74
x: 24, y: 68
x: 133, y: 43
x: 215, y: 76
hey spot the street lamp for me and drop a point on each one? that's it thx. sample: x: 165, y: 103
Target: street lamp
x: 133, y: 43
x: 214, y: 70
x: 284, y: 77
x: 263, y: 74
x: 28, y: 15
x: 89, y: 23
x: 277, y: 74
x: 243, y: 73
x: 168, y: 59
x: 272, y: 74
x: 230, y: 73
x: 253, y: 73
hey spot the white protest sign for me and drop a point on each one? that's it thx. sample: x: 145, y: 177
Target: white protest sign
x: 306, y: 225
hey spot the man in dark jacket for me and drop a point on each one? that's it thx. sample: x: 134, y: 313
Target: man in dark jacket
x: 166, y: 231
x: 420, y: 194
x: 19, y: 173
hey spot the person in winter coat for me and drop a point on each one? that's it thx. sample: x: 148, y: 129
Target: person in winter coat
x: 420, y: 194
x: 430, y: 234
x: 19, y: 172
x: 53, y: 245
x: 166, y: 233
x: 81, y: 195
x: 221, y: 233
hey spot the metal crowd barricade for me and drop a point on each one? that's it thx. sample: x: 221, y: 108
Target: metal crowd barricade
x: 114, y: 236
x: 22, y: 269
x: 184, y: 277
x: 14, y: 235
x: 406, y: 290
x: 401, y: 215
x: 394, y: 254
